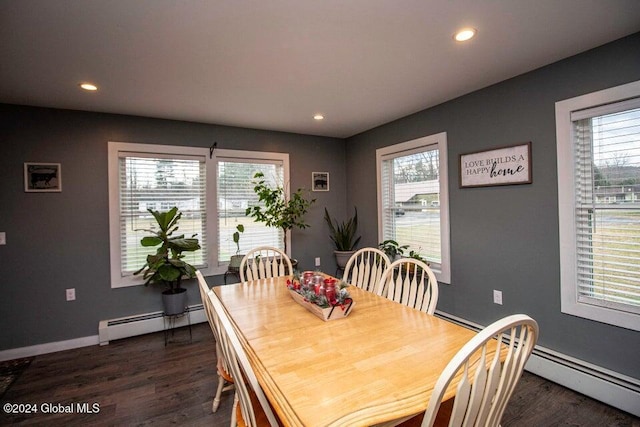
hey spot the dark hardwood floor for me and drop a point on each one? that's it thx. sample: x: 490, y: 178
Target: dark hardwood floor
x: 139, y: 381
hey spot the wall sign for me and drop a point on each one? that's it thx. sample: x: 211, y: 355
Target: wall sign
x: 500, y: 166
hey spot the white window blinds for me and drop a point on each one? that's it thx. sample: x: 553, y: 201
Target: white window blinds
x: 607, y: 205
x: 410, y: 199
x: 159, y: 182
x: 234, y: 194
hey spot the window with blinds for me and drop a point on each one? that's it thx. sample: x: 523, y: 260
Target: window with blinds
x: 234, y: 193
x: 160, y: 182
x: 598, y: 155
x: 607, y: 205
x: 413, y: 210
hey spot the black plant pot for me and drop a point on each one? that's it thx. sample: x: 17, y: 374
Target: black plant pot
x: 174, y: 302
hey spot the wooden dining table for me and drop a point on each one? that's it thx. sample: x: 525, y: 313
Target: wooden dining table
x: 378, y: 364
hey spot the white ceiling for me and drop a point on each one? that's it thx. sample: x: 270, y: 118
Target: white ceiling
x: 273, y: 64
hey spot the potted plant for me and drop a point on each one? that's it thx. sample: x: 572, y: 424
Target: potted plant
x: 236, y: 259
x: 166, y: 267
x: 416, y: 255
x: 343, y: 236
x: 278, y: 210
x: 392, y: 249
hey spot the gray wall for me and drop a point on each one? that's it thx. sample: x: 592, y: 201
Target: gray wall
x: 506, y: 238
x: 61, y: 240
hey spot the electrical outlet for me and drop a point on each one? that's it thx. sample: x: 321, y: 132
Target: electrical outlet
x: 497, y: 297
x: 71, y: 294
x: 3, y: 238
x: 317, y: 261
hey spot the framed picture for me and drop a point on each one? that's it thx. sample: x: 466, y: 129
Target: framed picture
x: 42, y: 177
x: 500, y: 166
x: 320, y: 181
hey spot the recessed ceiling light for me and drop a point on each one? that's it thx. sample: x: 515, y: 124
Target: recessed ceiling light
x: 88, y: 86
x: 318, y: 117
x: 465, y: 34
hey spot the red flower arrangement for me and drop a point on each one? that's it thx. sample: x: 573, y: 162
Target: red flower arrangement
x: 324, y: 293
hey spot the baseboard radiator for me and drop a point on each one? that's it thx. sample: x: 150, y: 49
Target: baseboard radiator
x: 109, y: 330
x: 124, y: 327
x: 612, y: 388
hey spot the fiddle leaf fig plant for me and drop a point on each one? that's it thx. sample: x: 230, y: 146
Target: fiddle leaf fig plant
x: 166, y: 266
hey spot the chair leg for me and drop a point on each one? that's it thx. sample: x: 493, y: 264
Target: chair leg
x: 216, y: 398
x: 234, y: 420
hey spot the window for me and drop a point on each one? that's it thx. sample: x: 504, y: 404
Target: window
x: 144, y: 176
x: 211, y: 193
x: 234, y: 193
x: 413, y: 200
x: 598, y: 145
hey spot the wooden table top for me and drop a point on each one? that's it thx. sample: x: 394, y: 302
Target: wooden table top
x: 378, y: 364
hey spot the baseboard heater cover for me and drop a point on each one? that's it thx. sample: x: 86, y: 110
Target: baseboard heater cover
x: 612, y: 388
x: 130, y: 326
x: 108, y: 330
x: 46, y: 348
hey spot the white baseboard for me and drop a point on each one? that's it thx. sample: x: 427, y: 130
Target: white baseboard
x: 612, y: 388
x: 123, y: 327
x: 51, y: 347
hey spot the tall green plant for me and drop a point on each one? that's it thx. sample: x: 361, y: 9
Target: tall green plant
x: 343, y: 234
x: 166, y: 266
x: 278, y: 211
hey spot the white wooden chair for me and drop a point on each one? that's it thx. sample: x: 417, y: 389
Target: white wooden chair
x: 486, y: 382
x: 365, y: 268
x: 225, y: 381
x: 251, y: 405
x: 410, y: 282
x: 264, y: 262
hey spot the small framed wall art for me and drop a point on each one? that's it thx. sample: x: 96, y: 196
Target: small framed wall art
x: 320, y: 181
x: 42, y: 177
x: 500, y: 166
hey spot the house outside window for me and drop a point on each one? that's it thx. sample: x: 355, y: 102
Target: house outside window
x: 598, y: 144
x: 413, y: 202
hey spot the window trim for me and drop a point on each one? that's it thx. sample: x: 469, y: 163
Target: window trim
x: 569, y: 303
x: 443, y: 274
x: 114, y: 150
